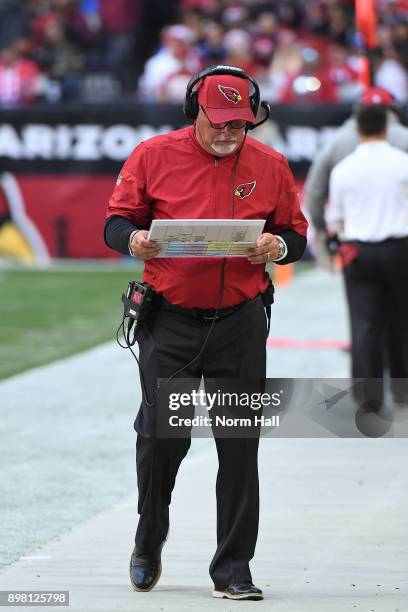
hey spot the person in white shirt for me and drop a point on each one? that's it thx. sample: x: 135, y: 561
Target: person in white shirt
x: 344, y: 141
x: 369, y: 208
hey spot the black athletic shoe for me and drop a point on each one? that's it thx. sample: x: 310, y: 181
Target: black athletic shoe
x: 239, y: 590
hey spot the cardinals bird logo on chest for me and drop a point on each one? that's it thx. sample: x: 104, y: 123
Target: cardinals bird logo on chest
x: 245, y: 189
x: 230, y: 93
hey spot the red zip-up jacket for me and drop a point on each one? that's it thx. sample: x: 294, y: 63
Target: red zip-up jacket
x: 173, y: 177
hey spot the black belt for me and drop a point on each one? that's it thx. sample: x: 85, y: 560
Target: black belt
x: 206, y: 315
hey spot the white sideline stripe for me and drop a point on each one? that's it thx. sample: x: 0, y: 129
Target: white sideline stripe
x: 35, y: 557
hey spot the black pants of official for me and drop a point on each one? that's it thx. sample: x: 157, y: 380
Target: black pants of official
x: 236, y: 348
x: 377, y: 293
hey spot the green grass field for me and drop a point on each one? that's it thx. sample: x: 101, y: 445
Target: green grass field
x: 50, y: 314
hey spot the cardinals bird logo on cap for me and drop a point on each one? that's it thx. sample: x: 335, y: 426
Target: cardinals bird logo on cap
x: 230, y: 93
x: 245, y: 189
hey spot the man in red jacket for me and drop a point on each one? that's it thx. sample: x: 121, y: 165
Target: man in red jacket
x: 210, y: 321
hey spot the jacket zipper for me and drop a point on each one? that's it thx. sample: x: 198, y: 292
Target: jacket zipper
x: 215, y: 164
x: 224, y: 261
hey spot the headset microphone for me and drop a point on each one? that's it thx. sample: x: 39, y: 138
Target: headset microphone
x: 267, y: 109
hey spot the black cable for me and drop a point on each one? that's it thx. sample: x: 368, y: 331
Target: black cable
x: 209, y: 331
x: 234, y: 174
x: 117, y: 333
x: 129, y: 347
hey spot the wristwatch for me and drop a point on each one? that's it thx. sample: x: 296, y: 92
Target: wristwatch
x: 130, y: 242
x: 283, y: 249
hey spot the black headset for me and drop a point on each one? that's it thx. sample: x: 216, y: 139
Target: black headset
x: 191, y: 107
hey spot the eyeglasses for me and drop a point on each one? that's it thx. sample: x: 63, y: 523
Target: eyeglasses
x: 235, y: 124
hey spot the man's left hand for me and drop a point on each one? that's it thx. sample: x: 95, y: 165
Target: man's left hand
x: 267, y: 249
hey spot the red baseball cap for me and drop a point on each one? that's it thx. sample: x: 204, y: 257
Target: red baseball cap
x: 226, y: 97
x: 377, y: 95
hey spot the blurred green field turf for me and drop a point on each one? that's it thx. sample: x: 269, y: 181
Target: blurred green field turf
x: 50, y: 314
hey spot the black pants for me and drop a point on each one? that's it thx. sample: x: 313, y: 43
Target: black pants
x: 236, y: 348
x: 377, y: 293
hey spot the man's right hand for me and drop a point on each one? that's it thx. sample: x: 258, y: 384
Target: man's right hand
x: 141, y: 247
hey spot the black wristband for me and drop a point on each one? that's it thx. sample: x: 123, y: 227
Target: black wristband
x: 117, y: 233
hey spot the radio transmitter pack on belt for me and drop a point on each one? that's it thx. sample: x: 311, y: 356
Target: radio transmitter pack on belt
x: 138, y: 301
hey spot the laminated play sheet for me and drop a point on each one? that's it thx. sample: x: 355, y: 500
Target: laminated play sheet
x: 205, y: 237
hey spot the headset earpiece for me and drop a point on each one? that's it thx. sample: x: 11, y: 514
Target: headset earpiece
x: 191, y: 105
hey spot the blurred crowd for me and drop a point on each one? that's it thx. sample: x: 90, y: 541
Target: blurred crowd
x: 102, y: 50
